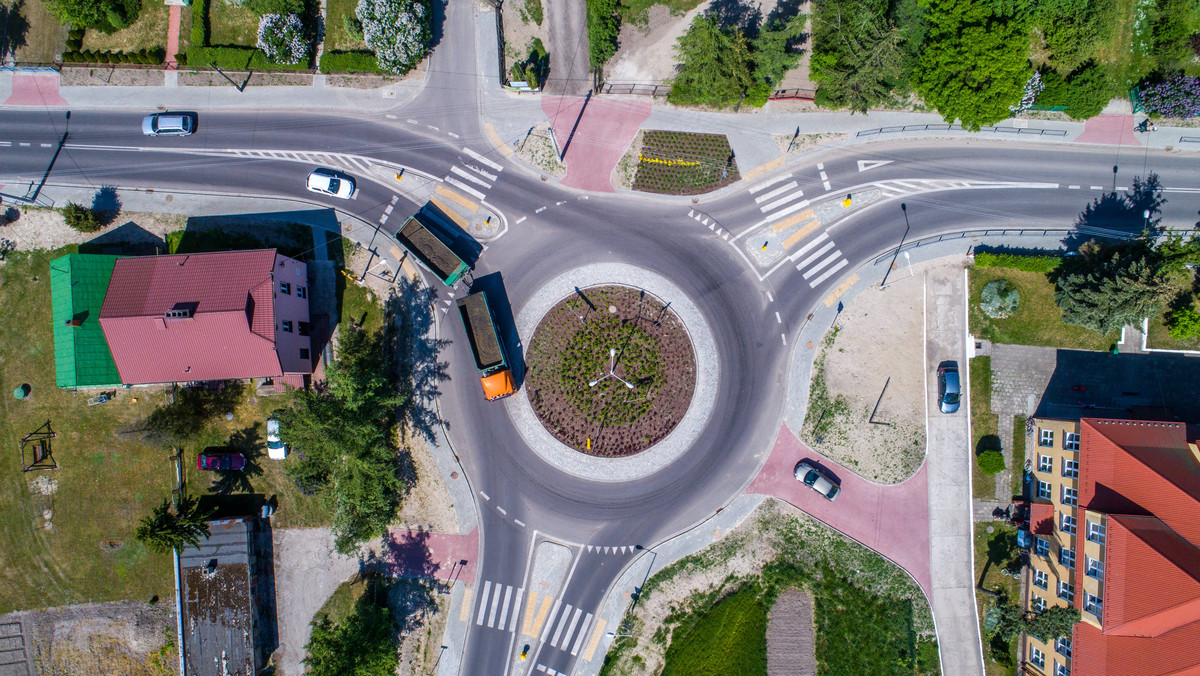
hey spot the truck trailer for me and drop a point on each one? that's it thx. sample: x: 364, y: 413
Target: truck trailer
x: 493, y: 368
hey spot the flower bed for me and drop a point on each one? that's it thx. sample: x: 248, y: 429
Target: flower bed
x: 681, y: 163
x: 570, y: 350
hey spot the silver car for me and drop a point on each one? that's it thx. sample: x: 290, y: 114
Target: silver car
x: 168, y: 124
x: 949, y: 390
x: 329, y: 182
x: 817, y: 480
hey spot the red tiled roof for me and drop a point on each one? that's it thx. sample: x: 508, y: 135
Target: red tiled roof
x: 230, y: 333
x: 1173, y: 653
x: 1041, y: 518
x: 1161, y: 560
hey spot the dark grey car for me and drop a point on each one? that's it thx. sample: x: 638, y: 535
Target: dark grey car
x: 949, y: 390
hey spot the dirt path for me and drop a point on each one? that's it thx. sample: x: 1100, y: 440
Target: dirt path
x: 791, y: 636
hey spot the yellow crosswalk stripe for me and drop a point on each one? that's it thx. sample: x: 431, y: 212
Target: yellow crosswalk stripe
x: 451, y: 195
x: 462, y: 222
x: 529, y: 606
x: 594, y: 641
x: 800, y: 234
x: 541, y: 616
x: 840, y: 290
x: 792, y: 220
x: 465, y: 612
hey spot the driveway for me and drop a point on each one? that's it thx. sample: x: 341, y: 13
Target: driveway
x: 890, y: 519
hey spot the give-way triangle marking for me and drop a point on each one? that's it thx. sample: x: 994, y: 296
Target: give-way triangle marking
x: 864, y: 165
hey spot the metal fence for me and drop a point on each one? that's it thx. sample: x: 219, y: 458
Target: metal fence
x: 959, y: 127
x: 1002, y: 232
x: 804, y: 94
x: 639, y: 88
x: 1189, y: 139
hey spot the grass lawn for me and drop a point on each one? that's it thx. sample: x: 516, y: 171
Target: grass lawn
x: 1037, y: 321
x: 150, y: 30
x: 1018, y: 453
x: 43, y: 36
x: 863, y: 633
x: 336, y: 37
x: 677, y: 7
x: 999, y: 658
x: 985, y: 430
x: 230, y: 24
x: 1159, y: 337
x: 730, y: 639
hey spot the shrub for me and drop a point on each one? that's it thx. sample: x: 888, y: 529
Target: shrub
x: 604, y: 27
x: 235, y: 58
x: 264, y: 7
x: 349, y: 62
x: 1173, y: 97
x: 1042, y: 264
x: 990, y: 462
x: 81, y: 218
x: 75, y: 34
x: 117, y: 17
x: 532, y: 11
x: 999, y: 299
x: 1184, y: 323
x: 199, y: 24
x: 1083, y: 93
x: 398, y: 31
x: 74, y: 44
x: 281, y: 38
x: 353, y: 26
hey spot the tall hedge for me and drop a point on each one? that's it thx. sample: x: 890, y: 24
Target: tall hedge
x: 1042, y: 264
x: 349, y: 62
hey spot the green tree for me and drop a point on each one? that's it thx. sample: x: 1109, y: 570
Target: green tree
x: 104, y: 15
x: 975, y: 63
x: 1084, y: 92
x: 1052, y: 623
x: 858, y: 54
x: 189, y: 413
x: 82, y: 218
x: 169, y: 529
x: 1074, y: 30
x: 1108, y: 288
x: 363, y: 644
x: 343, y: 435
x: 1184, y: 323
x: 604, y: 27
x: 990, y: 462
x: 772, y: 51
x: 717, y: 67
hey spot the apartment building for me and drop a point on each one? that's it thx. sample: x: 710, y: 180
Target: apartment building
x: 1116, y: 534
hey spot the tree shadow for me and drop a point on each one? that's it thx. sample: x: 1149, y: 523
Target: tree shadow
x: 988, y: 442
x: 410, y: 311
x: 407, y: 573
x: 740, y: 14
x: 13, y: 28
x: 106, y: 204
x: 249, y: 442
x: 784, y: 11
x: 1120, y: 215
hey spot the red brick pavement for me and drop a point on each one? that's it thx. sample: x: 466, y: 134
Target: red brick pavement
x: 601, y: 137
x: 173, y: 17
x: 1112, y: 129
x: 35, y: 90
x: 434, y: 555
x: 890, y: 519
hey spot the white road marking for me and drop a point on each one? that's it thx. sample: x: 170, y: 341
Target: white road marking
x: 512, y: 624
x: 46, y: 145
x: 571, y: 627
x: 519, y: 522
x: 784, y: 212
x: 583, y: 632
x: 474, y: 179
x: 507, y: 597
x: 483, y: 159
x: 485, y: 495
x: 432, y: 127
x: 521, y: 219
x: 24, y: 145
x: 778, y: 319
x: 452, y: 134
x: 483, y: 599
x: 808, y: 246
x: 762, y: 186
x: 502, y: 511
x: 807, y: 261
x: 780, y: 202
x: 1072, y: 187
x: 5, y: 143
x: 495, y: 604
x: 562, y: 622
x: 770, y: 298
x: 864, y: 165
x: 390, y: 116
x: 820, y: 166
x: 826, y: 185
x: 559, y: 204
x: 775, y: 193
x: 783, y: 338
x: 412, y: 121
x: 816, y: 282
x: 553, y: 611
x: 463, y: 186
x: 1096, y: 187
x: 539, y: 210
x: 816, y: 268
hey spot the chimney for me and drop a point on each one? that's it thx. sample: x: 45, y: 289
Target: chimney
x: 74, y: 321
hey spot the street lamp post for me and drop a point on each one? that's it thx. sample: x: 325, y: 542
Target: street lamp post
x: 612, y: 373
x: 614, y: 635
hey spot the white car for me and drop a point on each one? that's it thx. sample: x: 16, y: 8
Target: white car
x: 168, y: 124
x: 275, y: 448
x: 329, y: 182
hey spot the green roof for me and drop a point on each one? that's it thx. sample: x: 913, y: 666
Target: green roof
x: 78, y: 283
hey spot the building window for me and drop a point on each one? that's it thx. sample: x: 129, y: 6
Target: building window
x: 1041, y: 546
x: 285, y: 288
x: 1066, y: 591
x: 301, y: 292
x: 1069, y: 496
x: 1045, y: 438
x: 1037, y: 603
x: 1094, y: 568
x: 304, y: 353
x: 1063, y: 646
x: 1071, y: 441
x: 1037, y: 657
x: 1039, y: 578
x: 1093, y: 604
x: 1095, y: 532
x: 1070, y: 469
x: 1044, y: 489
x: 1066, y: 557
x: 1045, y: 463
x: 287, y: 326
x: 1067, y: 523
x: 305, y: 328
x: 1061, y: 669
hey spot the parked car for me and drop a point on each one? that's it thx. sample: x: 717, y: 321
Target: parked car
x: 221, y: 461
x: 949, y: 390
x: 169, y: 124
x: 817, y: 480
x: 329, y: 182
x: 275, y: 448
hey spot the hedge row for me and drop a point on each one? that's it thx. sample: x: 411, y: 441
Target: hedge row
x: 199, y: 23
x: 146, y: 56
x: 1043, y: 264
x: 75, y: 40
x: 234, y: 58
x: 350, y: 62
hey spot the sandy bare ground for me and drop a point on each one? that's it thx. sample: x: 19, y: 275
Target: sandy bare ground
x: 41, y: 228
x: 876, y: 359
x: 791, y: 636
x: 307, y: 572
x: 519, y: 35
x: 136, y: 639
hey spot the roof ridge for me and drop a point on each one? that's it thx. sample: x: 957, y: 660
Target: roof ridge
x: 1169, y: 477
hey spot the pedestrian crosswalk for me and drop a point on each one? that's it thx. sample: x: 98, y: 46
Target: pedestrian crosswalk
x: 354, y: 163
x: 549, y: 620
x: 498, y: 599
x: 818, y: 260
x: 778, y: 197
x: 476, y: 175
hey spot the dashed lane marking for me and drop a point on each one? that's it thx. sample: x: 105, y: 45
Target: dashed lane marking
x: 485, y: 495
x: 1072, y: 187
x: 770, y: 298
x: 521, y: 219
x: 778, y: 319
x: 783, y: 338
x: 502, y: 511
x: 412, y: 121
x: 519, y: 522
x: 539, y: 210
x: 1097, y: 187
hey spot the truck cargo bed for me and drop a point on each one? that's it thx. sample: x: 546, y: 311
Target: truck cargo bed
x: 481, y: 331
x: 433, y: 252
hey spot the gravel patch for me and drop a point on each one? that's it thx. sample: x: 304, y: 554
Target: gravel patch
x: 125, y: 637
x: 73, y: 76
x: 703, y: 400
x: 791, y: 636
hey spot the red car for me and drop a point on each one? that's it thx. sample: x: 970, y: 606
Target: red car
x: 224, y: 462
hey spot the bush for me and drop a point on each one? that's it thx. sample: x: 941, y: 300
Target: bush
x: 1042, y: 264
x: 990, y: 462
x: 999, y: 299
x: 117, y: 17
x: 349, y: 62
x: 199, y: 24
x: 1173, y: 97
x: 1083, y: 93
x: 265, y: 7
x: 532, y: 11
x: 1184, y: 323
x: 604, y: 27
x: 235, y: 58
x: 81, y: 218
x: 74, y: 44
x: 353, y: 26
x: 281, y: 38
x: 398, y: 31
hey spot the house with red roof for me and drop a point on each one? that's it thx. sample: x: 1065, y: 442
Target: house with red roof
x: 209, y: 316
x: 1125, y: 551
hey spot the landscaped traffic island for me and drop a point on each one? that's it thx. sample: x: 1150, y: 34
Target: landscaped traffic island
x: 611, y: 371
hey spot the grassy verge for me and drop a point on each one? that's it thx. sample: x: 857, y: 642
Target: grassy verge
x: 993, y: 553
x: 41, y: 41
x: 677, y: 7
x: 1018, y: 454
x: 730, y: 639
x: 336, y: 36
x: 149, y: 31
x: 985, y: 429
x: 1037, y: 321
x: 1159, y: 336
x: 232, y: 25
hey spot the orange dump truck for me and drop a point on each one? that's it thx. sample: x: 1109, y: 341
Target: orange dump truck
x: 485, y: 345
